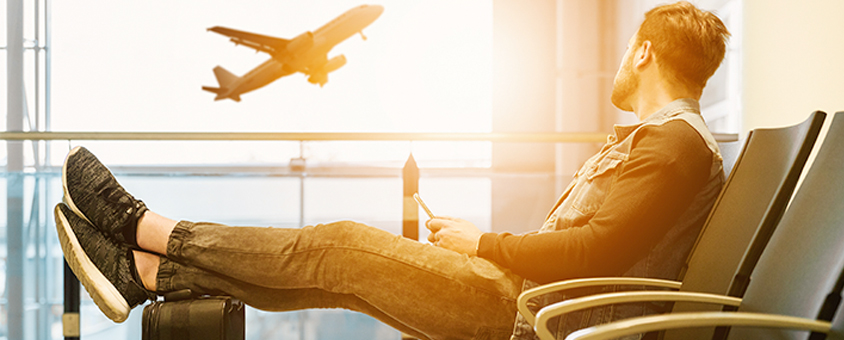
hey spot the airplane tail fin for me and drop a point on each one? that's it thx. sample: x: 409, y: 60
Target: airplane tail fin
x: 224, y: 78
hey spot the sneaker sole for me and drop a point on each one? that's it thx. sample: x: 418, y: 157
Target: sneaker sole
x: 105, y: 295
x: 66, y: 198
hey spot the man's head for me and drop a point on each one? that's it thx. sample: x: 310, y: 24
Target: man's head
x: 687, y: 46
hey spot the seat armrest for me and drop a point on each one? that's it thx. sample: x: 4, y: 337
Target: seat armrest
x: 590, y: 301
x: 683, y: 320
x: 525, y: 296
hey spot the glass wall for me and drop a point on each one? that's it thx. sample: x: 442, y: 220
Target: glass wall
x: 103, y: 66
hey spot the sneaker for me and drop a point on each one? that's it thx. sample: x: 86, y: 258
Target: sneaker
x: 105, y: 267
x: 92, y: 192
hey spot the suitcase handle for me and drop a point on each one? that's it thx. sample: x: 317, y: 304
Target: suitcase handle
x: 184, y: 294
x: 187, y: 294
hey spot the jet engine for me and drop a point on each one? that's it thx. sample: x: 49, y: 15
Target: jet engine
x: 321, y: 76
x: 300, y: 43
x: 318, y: 78
x: 334, y: 63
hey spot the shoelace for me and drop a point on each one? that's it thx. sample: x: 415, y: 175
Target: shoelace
x: 116, y: 195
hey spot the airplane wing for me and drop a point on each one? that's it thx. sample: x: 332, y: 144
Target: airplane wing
x: 259, y: 42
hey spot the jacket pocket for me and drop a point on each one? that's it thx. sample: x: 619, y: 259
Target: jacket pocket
x: 607, y: 164
x: 597, y: 184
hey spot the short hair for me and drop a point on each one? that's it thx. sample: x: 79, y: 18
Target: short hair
x: 689, y: 42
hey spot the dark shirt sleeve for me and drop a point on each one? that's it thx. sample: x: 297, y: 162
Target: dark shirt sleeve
x: 667, y: 167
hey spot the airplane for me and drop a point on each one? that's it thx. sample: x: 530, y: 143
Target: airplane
x: 306, y: 53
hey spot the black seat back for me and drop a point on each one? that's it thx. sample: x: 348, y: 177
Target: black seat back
x: 762, y: 181
x: 730, y: 152
x: 805, y: 254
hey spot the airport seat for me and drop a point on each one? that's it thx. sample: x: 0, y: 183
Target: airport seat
x: 730, y: 152
x: 798, y: 279
x: 753, y: 198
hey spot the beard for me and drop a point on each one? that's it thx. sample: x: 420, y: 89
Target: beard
x: 624, y: 85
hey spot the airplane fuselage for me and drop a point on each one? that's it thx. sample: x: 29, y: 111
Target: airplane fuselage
x: 340, y: 29
x: 306, y: 53
x: 266, y: 73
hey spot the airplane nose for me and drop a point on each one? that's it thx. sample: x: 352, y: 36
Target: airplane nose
x: 377, y: 10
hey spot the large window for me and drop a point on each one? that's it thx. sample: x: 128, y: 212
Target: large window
x: 425, y: 67
x: 139, y: 67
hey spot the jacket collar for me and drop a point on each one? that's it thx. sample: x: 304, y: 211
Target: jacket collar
x: 672, y: 109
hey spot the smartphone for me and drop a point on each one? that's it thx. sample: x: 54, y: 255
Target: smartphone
x: 422, y: 204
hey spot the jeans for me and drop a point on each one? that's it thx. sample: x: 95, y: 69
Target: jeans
x: 419, y: 289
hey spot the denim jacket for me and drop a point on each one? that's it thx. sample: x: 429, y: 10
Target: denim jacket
x: 579, y: 202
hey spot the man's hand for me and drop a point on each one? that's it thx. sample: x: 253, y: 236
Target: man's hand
x: 454, y: 234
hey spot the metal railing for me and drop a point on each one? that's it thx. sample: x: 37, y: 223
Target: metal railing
x: 512, y: 137
x: 308, y: 136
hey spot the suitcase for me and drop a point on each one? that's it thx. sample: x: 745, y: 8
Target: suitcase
x: 185, y: 316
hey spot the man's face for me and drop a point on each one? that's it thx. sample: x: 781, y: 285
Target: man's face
x: 626, y: 81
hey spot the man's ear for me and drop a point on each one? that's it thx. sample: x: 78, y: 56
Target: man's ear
x: 644, y: 55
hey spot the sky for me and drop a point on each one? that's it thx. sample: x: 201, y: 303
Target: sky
x: 139, y: 66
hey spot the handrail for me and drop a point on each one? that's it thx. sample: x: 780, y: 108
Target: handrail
x: 308, y: 136
x: 559, y: 137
